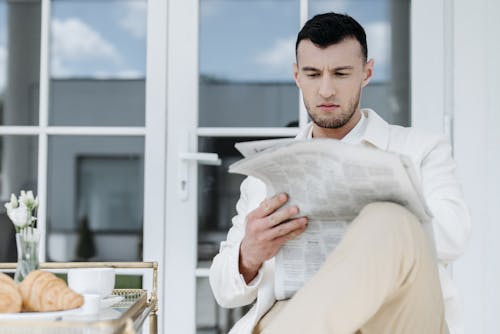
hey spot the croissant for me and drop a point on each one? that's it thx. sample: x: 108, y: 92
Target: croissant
x: 10, y: 298
x: 42, y: 291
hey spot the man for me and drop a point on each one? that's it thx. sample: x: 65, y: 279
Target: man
x: 382, y: 277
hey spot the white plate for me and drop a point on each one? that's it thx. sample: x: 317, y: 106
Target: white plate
x: 110, y: 301
x: 109, y: 313
x: 23, y: 316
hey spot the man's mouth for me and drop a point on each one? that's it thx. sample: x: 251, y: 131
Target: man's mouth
x: 328, y: 106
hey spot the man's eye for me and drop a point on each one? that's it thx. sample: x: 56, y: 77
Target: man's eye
x: 313, y: 75
x: 342, y: 74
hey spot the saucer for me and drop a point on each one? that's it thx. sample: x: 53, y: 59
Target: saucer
x: 27, y: 316
x: 110, y: 300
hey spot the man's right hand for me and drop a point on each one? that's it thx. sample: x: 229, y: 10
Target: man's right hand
x: 267, y: 228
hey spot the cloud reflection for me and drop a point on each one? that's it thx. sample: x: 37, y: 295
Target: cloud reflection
x: 280, y: 57
x: 75, y: 41
x: 133, y: 19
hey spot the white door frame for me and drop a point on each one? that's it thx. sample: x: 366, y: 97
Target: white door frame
x: 155, y: 163
x: 180, y: 231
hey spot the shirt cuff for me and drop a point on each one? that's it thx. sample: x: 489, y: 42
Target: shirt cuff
x: 253, y: 283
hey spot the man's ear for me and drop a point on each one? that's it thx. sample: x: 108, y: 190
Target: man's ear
x: 296, y: 74
x: 367, y: 72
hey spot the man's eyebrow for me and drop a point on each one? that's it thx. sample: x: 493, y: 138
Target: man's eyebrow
x: 340, y: 68
x: 343, y: 68
x: 309, y: 68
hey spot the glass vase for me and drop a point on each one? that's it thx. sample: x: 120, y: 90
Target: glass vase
x: 27, y: 242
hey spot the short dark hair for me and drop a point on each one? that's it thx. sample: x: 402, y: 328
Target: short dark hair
x: 332, y: 28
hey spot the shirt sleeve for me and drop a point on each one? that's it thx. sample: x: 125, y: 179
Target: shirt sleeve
x: 443, y: 193
x: 228, y: 285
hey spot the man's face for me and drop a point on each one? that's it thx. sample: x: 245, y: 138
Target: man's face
x: 331, y: 80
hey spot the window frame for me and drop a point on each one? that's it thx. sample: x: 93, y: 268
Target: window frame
x: 153, y: 133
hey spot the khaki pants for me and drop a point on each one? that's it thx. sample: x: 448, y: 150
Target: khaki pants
x: 381, y: 279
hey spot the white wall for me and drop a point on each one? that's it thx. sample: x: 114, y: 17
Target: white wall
x: 476, y: 136
x: 455, y: 71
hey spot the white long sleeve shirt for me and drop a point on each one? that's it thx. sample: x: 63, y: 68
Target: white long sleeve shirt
x: 431, y: 155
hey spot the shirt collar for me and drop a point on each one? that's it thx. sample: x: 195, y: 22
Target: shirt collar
x: 377, y: 130
x: 371, y: 129
x: 355, y: 136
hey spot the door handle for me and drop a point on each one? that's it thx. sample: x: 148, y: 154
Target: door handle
x: 202, y: 158
x: 211, y: 159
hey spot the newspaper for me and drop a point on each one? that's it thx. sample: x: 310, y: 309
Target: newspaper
x: 330, y: 182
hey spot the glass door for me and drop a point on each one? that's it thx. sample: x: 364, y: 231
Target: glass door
x: 232, y: 68
x: 246, y: 92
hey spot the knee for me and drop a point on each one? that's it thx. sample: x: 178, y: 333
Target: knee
x: 385, y: 228
x: 388, y: 218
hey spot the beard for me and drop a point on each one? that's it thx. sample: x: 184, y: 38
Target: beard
x: 334, y: 120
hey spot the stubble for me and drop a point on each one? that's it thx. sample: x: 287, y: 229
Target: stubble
x: 334, y: 120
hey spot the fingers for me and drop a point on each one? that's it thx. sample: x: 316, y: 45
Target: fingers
x: 281, y: 216
x: 268, y: 206
x: 289, y: 229
x: 281, y: 240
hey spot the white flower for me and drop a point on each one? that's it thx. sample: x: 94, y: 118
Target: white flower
x: 20, y: 211
x: 13, y: 204
x: 20, y: 216
x: 28, y: 199
x: 13, y: 201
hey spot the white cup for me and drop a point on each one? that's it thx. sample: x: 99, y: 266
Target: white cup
x: 100, y: 281
x: 91, y: 304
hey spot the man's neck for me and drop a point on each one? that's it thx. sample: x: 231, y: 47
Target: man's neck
x: 337, y: 133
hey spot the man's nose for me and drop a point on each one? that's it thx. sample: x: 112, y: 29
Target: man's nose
x: 326, y: 88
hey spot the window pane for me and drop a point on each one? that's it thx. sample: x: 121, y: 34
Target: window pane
x: 18, y: 171
x: 246, y: 56
x: 95, y: 197
x: 210, y: 317
x: 387, y: 26
x: 218, y: 192
x: 98, y: 61
x: 19, y: 61
x: 207, y: 310
x: 19, y: 164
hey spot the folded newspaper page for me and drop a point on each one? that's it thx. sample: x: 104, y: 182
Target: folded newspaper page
x: 330, y: 182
